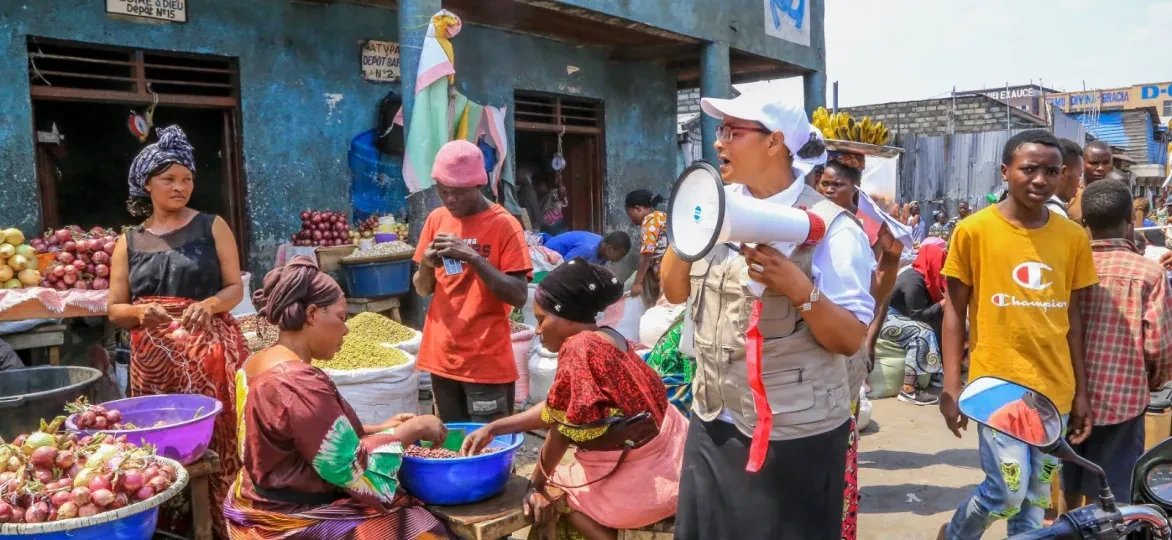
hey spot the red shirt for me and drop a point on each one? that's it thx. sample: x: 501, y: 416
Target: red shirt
x: 1127, y: 323
x: 466, y: 335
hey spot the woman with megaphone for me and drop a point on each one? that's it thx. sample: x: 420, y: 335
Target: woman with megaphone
x: 772, y: 325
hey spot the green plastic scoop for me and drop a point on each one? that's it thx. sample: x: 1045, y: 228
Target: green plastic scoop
x: 454, y: 441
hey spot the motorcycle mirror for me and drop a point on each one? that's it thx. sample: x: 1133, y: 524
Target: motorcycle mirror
x: 1012, y: 409
x: 1028, y: 416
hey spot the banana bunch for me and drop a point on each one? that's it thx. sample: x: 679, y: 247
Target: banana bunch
x: 842, y: 126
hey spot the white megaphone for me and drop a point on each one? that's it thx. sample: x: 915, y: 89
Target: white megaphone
x: 702, y: 214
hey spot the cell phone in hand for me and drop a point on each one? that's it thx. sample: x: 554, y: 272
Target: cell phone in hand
x: 452, y: 266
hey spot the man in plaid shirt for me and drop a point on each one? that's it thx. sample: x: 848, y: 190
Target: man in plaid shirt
x: 1128, y: 318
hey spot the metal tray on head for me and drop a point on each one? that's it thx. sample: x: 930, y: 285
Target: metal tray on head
x: 863, y: 148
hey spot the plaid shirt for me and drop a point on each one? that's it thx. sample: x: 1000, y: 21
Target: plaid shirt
x: 1127, y: 329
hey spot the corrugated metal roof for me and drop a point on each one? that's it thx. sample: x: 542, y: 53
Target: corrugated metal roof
x: 942, y: 170
x: 1105, y: 126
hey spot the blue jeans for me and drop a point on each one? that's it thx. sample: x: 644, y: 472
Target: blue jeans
x: 1016, y: 487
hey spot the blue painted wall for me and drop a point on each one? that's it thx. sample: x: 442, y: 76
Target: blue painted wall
x: 302, y: 95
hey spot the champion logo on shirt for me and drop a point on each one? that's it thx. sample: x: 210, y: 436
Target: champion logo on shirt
x: 1008, y: 300
x: 1030, y: 274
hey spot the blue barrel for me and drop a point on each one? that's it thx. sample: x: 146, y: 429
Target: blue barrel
x: 375, y: 279
x: 376, y: 185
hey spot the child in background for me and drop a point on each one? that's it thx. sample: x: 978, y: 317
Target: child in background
x: 1128, y: 318
x: 1014, y: 266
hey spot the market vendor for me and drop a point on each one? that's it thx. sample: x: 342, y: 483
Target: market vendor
x: 600, y: 382
x: 179, y: 266
x: 814, y: 313
x: 594, y: 248
x: 641, y: 209
x: 311, y: 469
x: 473, y: 258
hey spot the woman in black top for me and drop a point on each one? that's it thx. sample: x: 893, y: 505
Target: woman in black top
x: 914, y: 318
x: 173, y: 280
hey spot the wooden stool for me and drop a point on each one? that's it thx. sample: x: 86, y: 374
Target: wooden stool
x: 49, y: 338
x: 494, y: 518
x: 663, y: 530
x: 382, y: 305
x: 198, y: 478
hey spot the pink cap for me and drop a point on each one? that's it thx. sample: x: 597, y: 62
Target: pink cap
x: 459, y: 164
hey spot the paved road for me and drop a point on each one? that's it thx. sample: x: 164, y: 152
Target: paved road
x: 913, y: 473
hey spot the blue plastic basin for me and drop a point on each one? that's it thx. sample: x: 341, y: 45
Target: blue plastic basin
x: 140, y: 526
x: 461, y: 480
x: 371, y: 280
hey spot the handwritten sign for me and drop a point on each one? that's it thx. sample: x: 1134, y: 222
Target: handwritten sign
x: 166, y: 10
x: 380, y: 61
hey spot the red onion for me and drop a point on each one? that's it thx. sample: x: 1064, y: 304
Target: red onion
x: 120, y: 501
x: 87, y: 510
x: 61, y: 286
x: 43, y: 476
x: 65, y: 257
x: 99, y: 422
x: 144, y: 493
x: 80, y: 264
x: 43, y: 457
x: 80, y: 495
x: 61, y: 497
x: 63, y: 235
x: 317, y: 235
x: 64, y: 460
x: 315, y: 217
x: 102, y: 497
x: 305, y: 215
x: 168, y: 472
x: 17, y: 515
x: 82, y: 285
x: 100, y: 284
x: 98, y: 482
x: 36, y: 515
x: 114, y: 415
x: 101, y: 257
x: 5, y: 512
x: 70, y: 246
x: 132, y: 479
x: 59, y: 270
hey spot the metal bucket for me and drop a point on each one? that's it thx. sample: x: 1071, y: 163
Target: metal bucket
x: 30, y: 394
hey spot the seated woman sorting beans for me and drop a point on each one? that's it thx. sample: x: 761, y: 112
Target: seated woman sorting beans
x: 311, y: 469
x: 605, y: 401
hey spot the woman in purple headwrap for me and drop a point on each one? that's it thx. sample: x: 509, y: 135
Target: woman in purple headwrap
x: 173, y: 280
x: 311, y: 469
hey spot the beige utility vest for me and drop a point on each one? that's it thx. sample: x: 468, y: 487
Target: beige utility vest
x: 806, y: 384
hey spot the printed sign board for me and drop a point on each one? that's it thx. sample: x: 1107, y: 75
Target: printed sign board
x: 165, y: 10
x: 380, y: 61
x: 788, y: 20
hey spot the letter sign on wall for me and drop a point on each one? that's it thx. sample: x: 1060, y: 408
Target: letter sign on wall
x: 166, y: 10
x: 380, y: 61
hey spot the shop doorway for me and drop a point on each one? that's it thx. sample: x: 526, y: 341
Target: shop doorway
x: 83, y: 97
x: 540, y: 120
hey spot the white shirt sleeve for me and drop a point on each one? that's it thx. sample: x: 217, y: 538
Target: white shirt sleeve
x: 842, y: 268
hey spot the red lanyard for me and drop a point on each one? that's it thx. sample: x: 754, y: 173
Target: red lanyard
x: 753, y: 341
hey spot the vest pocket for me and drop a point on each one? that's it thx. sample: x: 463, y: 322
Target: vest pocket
x: 792, y: 400
x: 778, y: 316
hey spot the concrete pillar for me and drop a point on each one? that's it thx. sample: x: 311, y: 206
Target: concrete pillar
x: 814, y: 91
x: 414, y: 15
x: 716, y: 82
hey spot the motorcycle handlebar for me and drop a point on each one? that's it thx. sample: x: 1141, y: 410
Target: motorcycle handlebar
x: 1061, y: 529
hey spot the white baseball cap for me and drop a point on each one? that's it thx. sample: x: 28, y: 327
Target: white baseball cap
x: 775, y: 115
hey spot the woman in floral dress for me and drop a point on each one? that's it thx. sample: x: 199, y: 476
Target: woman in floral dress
x: 652, y: 225
x: 311, y: 469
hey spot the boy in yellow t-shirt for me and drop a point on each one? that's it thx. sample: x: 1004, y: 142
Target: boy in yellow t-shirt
x: 1013, y: 266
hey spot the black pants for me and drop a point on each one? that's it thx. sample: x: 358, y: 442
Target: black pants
x: 458, y: 401
x: 1115, y: 448
x: 796, y: 494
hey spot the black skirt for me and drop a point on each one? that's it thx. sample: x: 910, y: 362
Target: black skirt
x: 796, y: 494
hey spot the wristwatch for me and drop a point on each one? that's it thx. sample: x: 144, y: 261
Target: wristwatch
x: 815, y: 294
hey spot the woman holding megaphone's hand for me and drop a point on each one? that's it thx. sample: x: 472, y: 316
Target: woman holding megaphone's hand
x: 772, y: 327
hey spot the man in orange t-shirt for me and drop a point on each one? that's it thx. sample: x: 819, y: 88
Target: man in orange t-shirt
x: 472, y: 256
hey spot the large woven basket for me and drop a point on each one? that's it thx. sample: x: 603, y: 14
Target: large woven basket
x: 74, y: 526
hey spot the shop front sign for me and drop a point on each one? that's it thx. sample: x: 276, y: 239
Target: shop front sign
x: 166, y: 10
x: 380, y: 61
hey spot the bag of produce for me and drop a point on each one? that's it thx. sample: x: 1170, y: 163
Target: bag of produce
x: 384, y: 330
x: 527, y: 316
x: 377, y: 394
x: 522, y: 343
x: 656, y: 322
x: 543, y: 365
x: 624, y: 316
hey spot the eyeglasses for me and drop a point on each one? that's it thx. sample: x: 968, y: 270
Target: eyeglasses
x: 726, y: 131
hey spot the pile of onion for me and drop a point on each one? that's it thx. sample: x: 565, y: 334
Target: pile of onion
x: 82, y: 258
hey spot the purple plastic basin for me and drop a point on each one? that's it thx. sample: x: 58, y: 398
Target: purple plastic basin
x: 189, y: 420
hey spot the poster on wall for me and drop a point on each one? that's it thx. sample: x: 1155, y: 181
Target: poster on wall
x: 165, y: 10
x: 788, y: 20
x: 380, y: 61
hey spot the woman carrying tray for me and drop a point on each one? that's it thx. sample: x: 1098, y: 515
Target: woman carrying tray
x: 180, y: 265
x: 311, y: 469
x: 609, y: 404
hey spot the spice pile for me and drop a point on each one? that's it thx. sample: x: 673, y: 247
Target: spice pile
x: 386, y: 251
x: 50, y: 477
x: 518, y: 327
x: 371, y: 343
x: 379, y: 328
x: 443, y: 453
x: 258, y: 332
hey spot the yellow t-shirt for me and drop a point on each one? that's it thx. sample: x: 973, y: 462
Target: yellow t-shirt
x: 1021, y: 282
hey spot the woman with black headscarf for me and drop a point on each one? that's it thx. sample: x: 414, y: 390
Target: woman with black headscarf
x: 606, y: 402
x: 173, y: 280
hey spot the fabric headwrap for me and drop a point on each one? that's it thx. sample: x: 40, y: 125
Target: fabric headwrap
x: 172, y: 147
x: 850, y: 159
x: 290, y: 289
x: 578, y: 291
x: 929, y: 262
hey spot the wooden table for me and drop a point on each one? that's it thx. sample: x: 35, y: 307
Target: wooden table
x: 380, y: 305
x: 663, y: 530
x: 50, y: 337
x: 494, y: 518
x: 199, y: 478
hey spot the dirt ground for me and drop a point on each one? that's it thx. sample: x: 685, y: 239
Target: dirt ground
x: 913, y: 473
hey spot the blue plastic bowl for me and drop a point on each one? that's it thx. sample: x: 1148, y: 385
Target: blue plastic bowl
x: 461, y: 480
